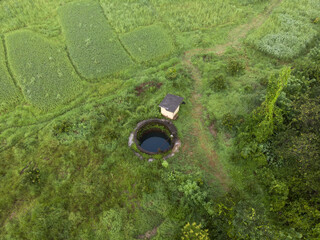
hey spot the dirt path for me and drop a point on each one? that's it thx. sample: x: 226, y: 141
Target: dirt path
x: 199, y: 131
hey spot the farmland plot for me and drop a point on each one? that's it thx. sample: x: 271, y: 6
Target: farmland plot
x: 42, y: 69
x: 147, y: 43
x: 93, y: 46
x: 8, y: 91
x: 289, y: 30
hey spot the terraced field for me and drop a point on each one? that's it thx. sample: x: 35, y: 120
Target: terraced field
x: 93, y: 46
x: 42, y: 69
x: 148, y: 43
x: 8, y: 91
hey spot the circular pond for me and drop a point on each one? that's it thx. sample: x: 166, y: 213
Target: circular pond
x: 155, y: 136
x: 155, y: 141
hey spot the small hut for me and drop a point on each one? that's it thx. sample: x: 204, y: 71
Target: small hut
x: 170, y: 106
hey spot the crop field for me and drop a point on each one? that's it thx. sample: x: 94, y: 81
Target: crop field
x: 289, y: 30
x: 148, y: 43
x: 42, y: 69
x: 77, y: 76
x: 8, y: 91
x: 94, y: 48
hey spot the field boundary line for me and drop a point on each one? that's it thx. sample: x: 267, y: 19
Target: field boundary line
x: 117, y: 35
x: 6, y: 59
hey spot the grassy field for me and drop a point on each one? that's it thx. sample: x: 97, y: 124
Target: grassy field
x: 89, y: 71
x: 148, y: 43
x: 42, y: 69
x: 94, y: 48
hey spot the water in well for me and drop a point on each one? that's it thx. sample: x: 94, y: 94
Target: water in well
x: 155, y: 141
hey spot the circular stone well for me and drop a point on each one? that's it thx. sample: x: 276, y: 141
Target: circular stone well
x: 155, y: 136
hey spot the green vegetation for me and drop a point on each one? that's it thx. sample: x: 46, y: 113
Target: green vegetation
x: 42, y: 70
x: 248, y: 166
x: 8, y: 91
x: 289, y: 30
x: 147, y: 43
x: 93, y: 46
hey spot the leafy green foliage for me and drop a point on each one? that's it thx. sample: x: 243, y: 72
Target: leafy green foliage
x: 33, y: 175
x: 8, y: 91
x: 235, y: 66
x: 93, y: 46
x: 218, y: 82
x: 194, y: 232
x: 42, y: 70
x: 148, y: 43
x: 229, y: 121
x: 288, y: 31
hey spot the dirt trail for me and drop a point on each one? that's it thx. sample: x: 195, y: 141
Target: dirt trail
x: 199, y: 131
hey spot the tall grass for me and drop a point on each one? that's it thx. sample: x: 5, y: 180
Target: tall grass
x: 8, y: 91
x: 289, y: 29
x: 148, y: 43
x: 186, y: 16
x: 42, y: 69
x: 40, y: 15
x: 94, y: 47
x: 127, y: 15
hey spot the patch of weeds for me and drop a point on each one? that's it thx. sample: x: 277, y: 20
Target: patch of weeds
x: 235, y: 67
x: 218, y: 83
x: 33, y: 175
x: 229, y: 121
x: 171, y: 73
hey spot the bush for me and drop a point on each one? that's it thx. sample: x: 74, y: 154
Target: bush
x: 229, y: 121
x: 218, y: 83
x: 194, y: 232
x: 42, y: 69
x: 94, y: 47
x: 147, y: 43
x: 235, y: 66
x: 8, y: 91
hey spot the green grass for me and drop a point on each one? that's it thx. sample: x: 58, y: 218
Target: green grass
x: 8, y: 91
x: 289, y: 30
x: 148, y: 43
x: 127, y: 15
x: 42, y: 69
x: 93, y: 46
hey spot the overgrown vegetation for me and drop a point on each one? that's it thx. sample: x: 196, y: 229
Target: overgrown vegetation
x: 289, y: 30
x: 66, y: 171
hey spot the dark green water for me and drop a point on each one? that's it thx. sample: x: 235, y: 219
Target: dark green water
x: 155, y: 141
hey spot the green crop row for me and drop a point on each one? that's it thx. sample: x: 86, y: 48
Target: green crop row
x: 147, y: 43
x: 289, y: 29
x: 93, y: 46
x: 42, y: 69
x: 8, y: 92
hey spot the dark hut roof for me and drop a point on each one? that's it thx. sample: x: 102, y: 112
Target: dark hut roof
x: 171, y: 102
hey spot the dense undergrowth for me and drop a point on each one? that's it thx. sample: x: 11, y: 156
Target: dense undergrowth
x: 68, y: 173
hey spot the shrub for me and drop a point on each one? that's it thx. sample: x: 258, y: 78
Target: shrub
x: 171, y: 73
x: 94, y: 48
x: 194, y: 232
x: 218, y: 83
x: 42, y: 70
x: 235, y: 66
x: 8, y: 91
x: 229, y: 121
x: 147, y: 43
x: 33, y: 175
